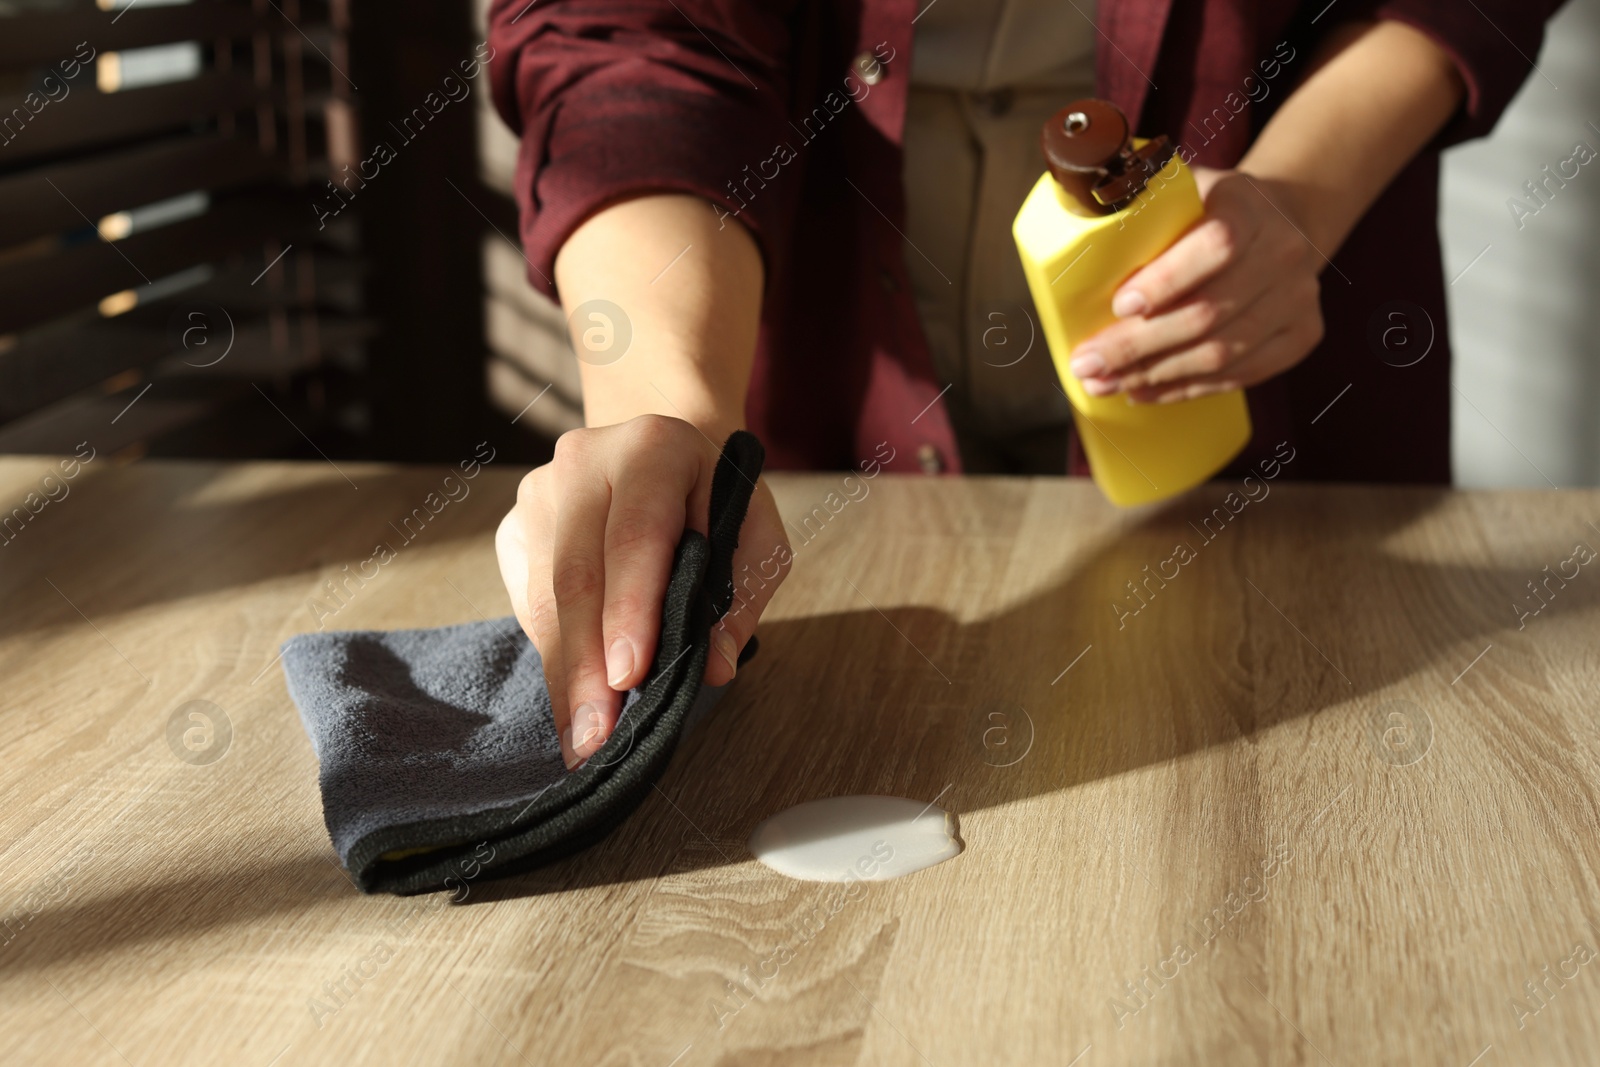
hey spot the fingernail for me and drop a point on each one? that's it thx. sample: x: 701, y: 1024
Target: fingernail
x: 1128, y: 302
x: 722, y: 641
x: 1100, y: 386
x: 1087, y: 364
x: 588, y: 733
x: 569, y: 757
x: 619, y: 661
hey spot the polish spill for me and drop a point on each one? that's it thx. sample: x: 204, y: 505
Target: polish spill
x: 858, y: 838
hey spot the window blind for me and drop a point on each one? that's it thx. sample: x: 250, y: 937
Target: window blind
x: 164, y: 282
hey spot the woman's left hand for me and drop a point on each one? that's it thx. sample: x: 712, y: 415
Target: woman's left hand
x: 1232, y: 303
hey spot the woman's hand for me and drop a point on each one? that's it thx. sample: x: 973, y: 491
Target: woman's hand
x: 586, y: 553
x: 1233, y: 302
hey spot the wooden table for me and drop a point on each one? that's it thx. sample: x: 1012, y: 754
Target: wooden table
x: 1320, y: 801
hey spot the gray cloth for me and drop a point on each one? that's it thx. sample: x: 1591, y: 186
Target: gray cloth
x: 434, y: 742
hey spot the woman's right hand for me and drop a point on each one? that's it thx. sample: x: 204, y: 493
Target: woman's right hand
x: 587, y: 551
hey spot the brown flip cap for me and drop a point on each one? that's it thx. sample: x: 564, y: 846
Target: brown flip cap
x: 1087, y: 149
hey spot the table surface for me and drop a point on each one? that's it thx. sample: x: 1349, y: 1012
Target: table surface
x: 1321, y: 800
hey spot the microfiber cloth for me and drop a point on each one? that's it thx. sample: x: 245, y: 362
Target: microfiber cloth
x: 435, y: 743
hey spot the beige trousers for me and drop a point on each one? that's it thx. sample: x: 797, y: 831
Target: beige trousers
x: 986, y: 74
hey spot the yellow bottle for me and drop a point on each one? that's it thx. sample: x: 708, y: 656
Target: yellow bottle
x: 1107, y: 206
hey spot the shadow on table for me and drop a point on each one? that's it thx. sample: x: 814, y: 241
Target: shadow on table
x: 185, y: 904
x: 1296, y: 609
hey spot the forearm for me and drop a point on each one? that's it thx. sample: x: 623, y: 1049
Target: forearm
x: 1376, y: 95
x: 692, y: 294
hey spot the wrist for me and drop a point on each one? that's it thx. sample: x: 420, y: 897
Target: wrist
x: 1318, y: 213
x: 1375, y: 95
x: 674, y: 396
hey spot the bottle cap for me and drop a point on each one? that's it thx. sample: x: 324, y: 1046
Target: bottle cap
x: 1088, y: 151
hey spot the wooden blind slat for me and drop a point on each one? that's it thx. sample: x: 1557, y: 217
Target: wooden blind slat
x: 85, y: 117
x: 38, y: 289
x: 53, y: 369
x: 47, y: 38
x: 48, y: 199
x: 68, y: 356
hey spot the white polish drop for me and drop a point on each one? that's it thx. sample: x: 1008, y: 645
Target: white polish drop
x: 865, y: 838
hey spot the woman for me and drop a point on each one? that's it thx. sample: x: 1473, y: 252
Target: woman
x: 782, y: 204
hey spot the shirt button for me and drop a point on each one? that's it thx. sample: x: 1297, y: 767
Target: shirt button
x: 868, y: 68
x: 928, y: 459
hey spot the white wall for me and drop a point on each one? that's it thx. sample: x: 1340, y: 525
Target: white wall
x: 1524, y: 317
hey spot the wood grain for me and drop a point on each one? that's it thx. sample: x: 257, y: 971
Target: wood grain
x: 1212, y: 788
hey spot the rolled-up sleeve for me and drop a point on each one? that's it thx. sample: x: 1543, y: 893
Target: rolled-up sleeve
x: 615, y: 99
x: 1494, y: 44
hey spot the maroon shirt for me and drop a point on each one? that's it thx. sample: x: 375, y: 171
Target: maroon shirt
x: 615, y: 98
